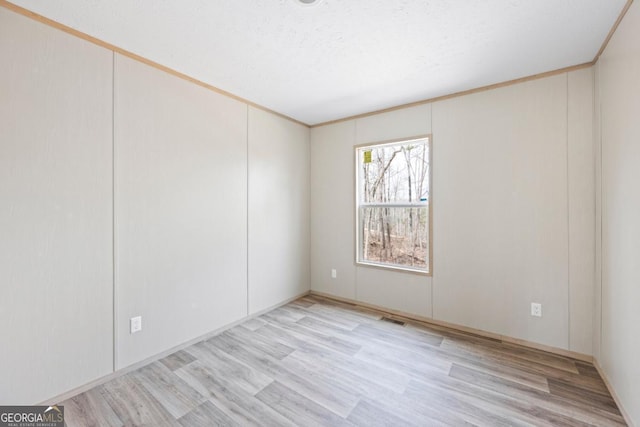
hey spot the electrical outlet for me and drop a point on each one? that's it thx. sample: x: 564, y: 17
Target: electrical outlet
x: 135, y: 324
x: 536, y: 309
x: 334, y: 273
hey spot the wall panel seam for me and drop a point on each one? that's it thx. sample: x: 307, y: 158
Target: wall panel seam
x: 356, y: 226
x: 113, y: 211
x: 568, y: 219
x: 602, y: 209
x: 432, y: 219
x: 247, y: 206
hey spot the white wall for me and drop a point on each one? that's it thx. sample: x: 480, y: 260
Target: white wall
x: 332, y: 209
x: 617, y: 312
x: 504, y: 162
x: 181, y: 209
x: 581, y: 175
x: 55, y: 211
x: 187, y: 234
x: 278, y: 209
x: 500, y: 207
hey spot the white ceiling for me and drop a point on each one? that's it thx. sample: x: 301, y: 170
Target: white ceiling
x: 339, y: 58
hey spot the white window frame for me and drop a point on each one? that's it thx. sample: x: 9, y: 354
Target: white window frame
x: 428, y: 270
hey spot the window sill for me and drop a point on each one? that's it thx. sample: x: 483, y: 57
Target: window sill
x: 396, y: 268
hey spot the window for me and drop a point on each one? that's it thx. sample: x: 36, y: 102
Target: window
x: 393, y: 198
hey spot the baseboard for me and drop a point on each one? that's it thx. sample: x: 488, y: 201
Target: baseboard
x: 280, y: 304
x: 549, y: 349
x: 113, y: 375
x: 613, y: 393
x: 460, y: 328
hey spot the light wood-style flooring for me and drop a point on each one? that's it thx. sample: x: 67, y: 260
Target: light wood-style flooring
x: 319, y: 362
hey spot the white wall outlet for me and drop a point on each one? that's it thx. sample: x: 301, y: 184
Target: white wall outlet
x: 334, y: 273
x: 536, y: 309
x: 135, y: 324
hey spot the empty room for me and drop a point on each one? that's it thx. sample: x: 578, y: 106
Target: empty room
x: 320, y: 213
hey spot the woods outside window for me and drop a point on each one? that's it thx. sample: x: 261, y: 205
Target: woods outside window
x: 393, y: 198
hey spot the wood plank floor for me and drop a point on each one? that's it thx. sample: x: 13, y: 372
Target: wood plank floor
x: 317, y: 362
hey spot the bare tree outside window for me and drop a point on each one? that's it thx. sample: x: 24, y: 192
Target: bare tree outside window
x: 393, y: 204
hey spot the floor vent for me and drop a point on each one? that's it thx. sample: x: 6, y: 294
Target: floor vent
x: 390, y: 320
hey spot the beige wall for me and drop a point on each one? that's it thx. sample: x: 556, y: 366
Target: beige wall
x: 581, y: 206
x: 278, y: 210
x: 56, y: 267
x: 181, y: 210
x: 500, y: 209
x: 512, y: 205
x: 332, y: 207
x: 618, y: 125
x: 192, y: 218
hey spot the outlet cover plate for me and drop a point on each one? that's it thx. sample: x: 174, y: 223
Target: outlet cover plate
x: 536, y: 309
x: 135, y: 324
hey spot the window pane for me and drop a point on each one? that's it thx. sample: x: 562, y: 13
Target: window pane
x: 397, y: 236
x: 394, y: 173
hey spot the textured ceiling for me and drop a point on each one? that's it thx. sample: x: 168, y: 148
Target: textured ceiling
x: 339, y: 58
